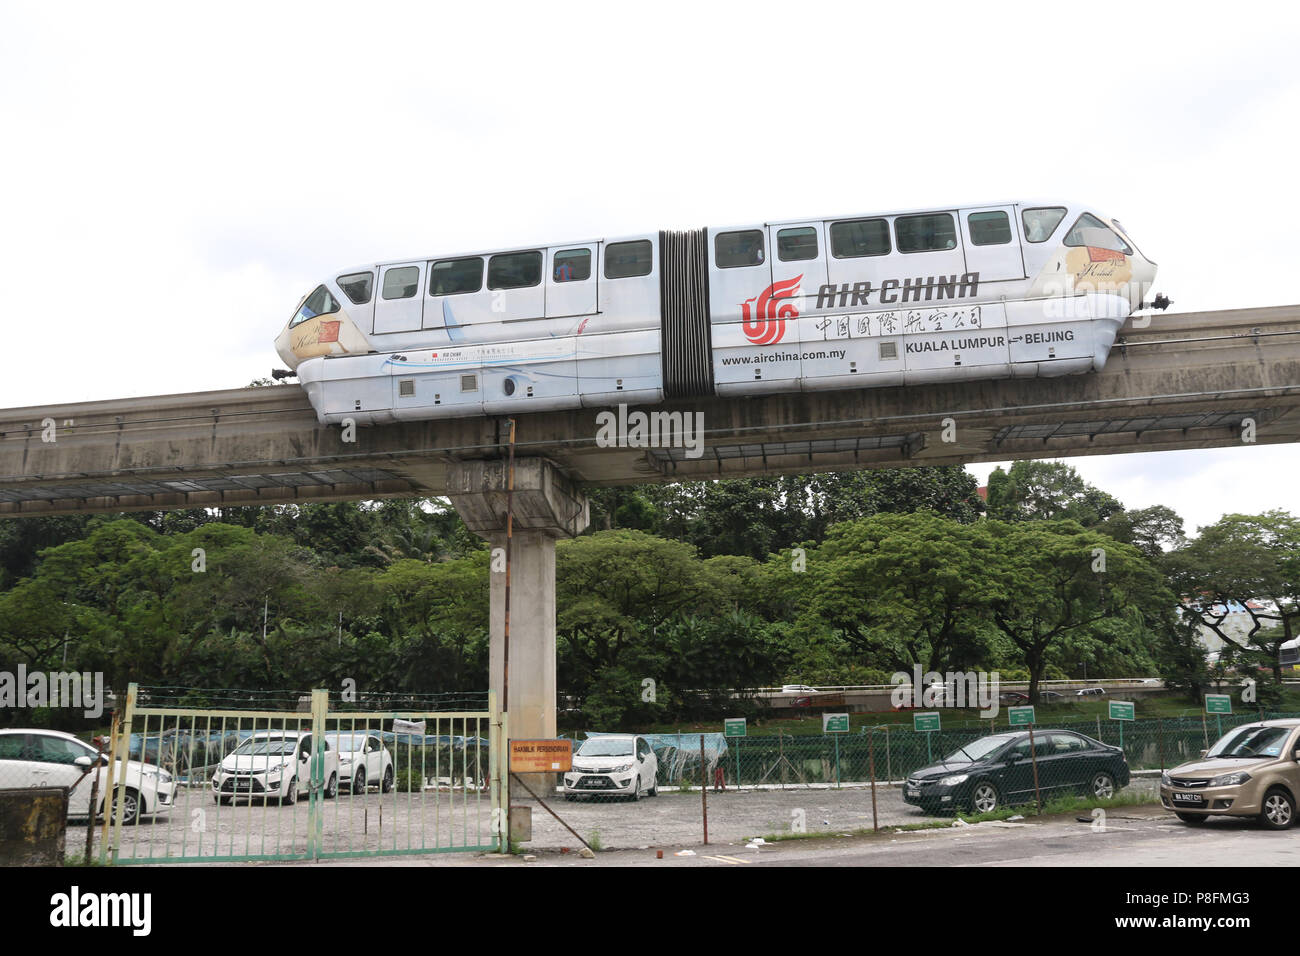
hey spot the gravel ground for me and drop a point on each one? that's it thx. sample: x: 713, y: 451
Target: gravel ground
x: 439, y: 819
x: 673, y: 819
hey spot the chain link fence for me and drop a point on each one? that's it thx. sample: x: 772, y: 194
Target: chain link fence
x: 781, y: 785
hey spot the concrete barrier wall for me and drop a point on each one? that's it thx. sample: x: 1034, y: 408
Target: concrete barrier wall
x: 33, y: 826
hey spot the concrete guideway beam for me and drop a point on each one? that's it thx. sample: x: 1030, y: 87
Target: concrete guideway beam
x: 1176, y: 381
x: 546, y: 506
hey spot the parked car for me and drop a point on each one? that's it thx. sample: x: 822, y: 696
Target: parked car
x: 1049, y: 696
x: 1013, y: 697
x: 616, y: 764
x: 1251, y: 771
x: 998, y: 770
x: 364, y: 761
x: 1091, y: 692
x: 51, y: 758
x: 273, y: 764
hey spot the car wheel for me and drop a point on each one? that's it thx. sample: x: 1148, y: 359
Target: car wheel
x: 654, y: 788
x: 984, y: 798
x: 1195, y: 819
x: 332, y: 788
x: 1279, y: 809
x: 1102, y: 786
x: 359, y: 783
x: 388, y: 780
x: 636, y: 789
x: 291, y: 794
x: 131, y: 809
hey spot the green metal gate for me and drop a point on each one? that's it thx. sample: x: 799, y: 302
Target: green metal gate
x: 234, y: 785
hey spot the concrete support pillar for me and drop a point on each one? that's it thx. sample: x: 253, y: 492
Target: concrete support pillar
x: 546, y: 506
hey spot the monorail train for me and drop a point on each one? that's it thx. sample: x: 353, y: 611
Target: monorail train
x: 990, y: 291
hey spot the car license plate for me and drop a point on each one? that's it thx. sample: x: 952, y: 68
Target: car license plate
x: 913, y: 792
x: 1194, y: 798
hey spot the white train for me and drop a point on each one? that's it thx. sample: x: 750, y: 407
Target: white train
x: 991, y: 291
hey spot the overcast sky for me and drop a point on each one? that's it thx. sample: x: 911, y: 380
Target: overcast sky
x: 176, y: 176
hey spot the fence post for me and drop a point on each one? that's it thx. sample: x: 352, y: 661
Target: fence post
x: 1160, y: 741
x: 889, y: 766
x: 1033, y: 756
x: 320, y: 702
x: 704, y: 791
x: 123, y: 748
x: 871, y: 769
x: 497, y: 784
x: 116, y: 727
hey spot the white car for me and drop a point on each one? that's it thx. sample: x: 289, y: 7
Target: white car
x: 273, y: 764
x: 364, y: 761
x: 616, y: 764
x: 798, y: 689
x: 51, y: 758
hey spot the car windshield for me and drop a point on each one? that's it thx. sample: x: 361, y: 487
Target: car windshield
x: 347, y: 741
x: 606, y: 747
x: 978, y: 749
x: 264, y: 748
x: 1251, y: 742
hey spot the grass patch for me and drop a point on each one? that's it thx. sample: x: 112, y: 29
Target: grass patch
x: 593, y: 841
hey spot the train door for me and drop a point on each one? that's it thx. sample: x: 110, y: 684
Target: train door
x: 571, y: 280
x: 399, y: 306
x: 799, y: 263
x: 739, y: 272
x: 992, y: 243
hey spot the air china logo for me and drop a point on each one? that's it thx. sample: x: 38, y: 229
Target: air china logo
x: 764, y: 323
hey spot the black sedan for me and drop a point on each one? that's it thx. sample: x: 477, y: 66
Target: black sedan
x: 998, y: 771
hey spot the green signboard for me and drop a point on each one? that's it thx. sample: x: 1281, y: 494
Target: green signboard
x: 1121, y: 710
x: 835, y: 723
x: 928, y: 721
x: 733, y: 727
x: 1218, y: 703
x: 1020, y: 716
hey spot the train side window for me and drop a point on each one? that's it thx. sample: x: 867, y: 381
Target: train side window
x: 732, y: 250
x: 1041, y: 222
x: 400, y: 283
x: 515, y: 270
x: 357, y: 286
x: 623, y: 260
x: 860, y: 237
x: 456, y: 276
x: 989, y: 228
x: 928, y: 233
x: 1091, y: 231
x: 320, y: 302
x: 793, y: 245
x: 572, y: 265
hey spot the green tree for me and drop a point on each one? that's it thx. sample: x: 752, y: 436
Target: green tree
x: 1047, y: 490
x: 1244, y: 564
x: 1061, y: 587
x: 901, y: 590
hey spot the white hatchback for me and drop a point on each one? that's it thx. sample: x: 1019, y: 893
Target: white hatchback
x: 364, y: 761
x: 273, y: 764
x: 616, y: 764
x: 51, y: 758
